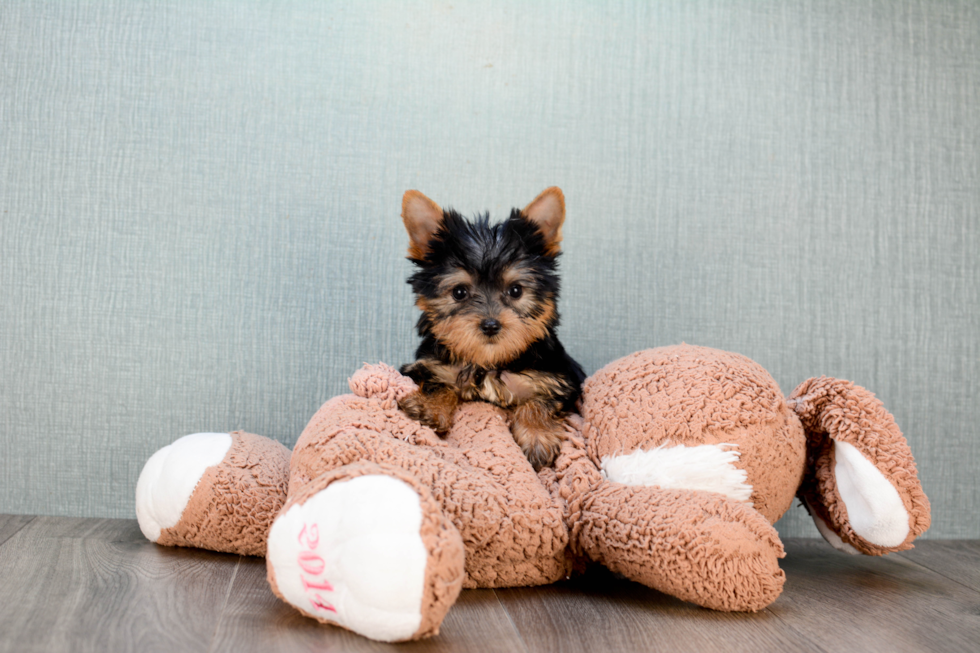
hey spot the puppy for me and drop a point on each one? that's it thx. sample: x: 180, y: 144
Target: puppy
x: 488, y: 295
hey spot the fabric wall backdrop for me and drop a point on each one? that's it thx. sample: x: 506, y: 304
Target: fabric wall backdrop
x: 200, y: 207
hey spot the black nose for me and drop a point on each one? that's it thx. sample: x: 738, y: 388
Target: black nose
x: 490, y: 326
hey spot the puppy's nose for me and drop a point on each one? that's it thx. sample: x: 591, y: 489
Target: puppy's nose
x: 490, y: 327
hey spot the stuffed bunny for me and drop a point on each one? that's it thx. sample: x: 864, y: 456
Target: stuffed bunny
x: 680, y: 462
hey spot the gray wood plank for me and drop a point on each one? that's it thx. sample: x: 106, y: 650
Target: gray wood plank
x: 958, y: 560
x: 106, y: 530
x: 10, y: 524
x: 860, y: 603
x: 98, y: 585
x: 255, y: 620
x: 602, y: 612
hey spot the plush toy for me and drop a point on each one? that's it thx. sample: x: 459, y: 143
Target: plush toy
x: 682, y: 459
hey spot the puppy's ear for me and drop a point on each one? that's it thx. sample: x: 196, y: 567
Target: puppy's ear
x: 547, y: 211
x: 422, y: 218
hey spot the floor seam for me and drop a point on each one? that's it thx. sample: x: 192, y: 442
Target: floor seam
x: 510, y: 620
x: 787, y: 624
x: 29, y: 521
x: 224, y: 605
x: 936, y: 571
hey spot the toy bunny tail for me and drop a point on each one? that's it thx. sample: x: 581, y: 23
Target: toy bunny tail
x: 860, y: 483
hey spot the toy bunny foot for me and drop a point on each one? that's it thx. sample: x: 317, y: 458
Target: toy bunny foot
x: 367, y: 547
x: 860, y: 484
x: 699, y: 546
x: 217, y: 491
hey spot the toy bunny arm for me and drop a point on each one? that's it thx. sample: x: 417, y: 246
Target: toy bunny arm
x: 860, y: 483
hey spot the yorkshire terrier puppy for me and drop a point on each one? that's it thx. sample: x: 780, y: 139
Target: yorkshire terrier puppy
x: 488, y: 295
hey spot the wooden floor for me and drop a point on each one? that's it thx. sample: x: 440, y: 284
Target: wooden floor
x: 98, y: 585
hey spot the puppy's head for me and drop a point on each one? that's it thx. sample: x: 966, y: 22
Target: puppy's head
x: 487, y: 292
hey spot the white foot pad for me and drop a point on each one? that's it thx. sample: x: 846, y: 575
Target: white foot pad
x: 169, y: 477
x: 352, y: 554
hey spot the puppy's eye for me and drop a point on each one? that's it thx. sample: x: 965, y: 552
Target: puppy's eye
x: 515, y: 291
x: 460, y: 293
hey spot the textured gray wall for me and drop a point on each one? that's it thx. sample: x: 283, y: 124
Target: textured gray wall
x: 200, y: 207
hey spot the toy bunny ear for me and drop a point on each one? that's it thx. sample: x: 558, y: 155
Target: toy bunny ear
x: 860, y: 484
x: 547, y: 211
x: 422, y: 218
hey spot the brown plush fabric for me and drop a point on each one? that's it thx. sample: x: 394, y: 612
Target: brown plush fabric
x: 698, y: 546
x: 236, y: 501
x: 833, y: 409
x: 571, y: 482
x: 444, y: 570
x: 487, y: 510
x: 692, y: 396
x: 513, y: 531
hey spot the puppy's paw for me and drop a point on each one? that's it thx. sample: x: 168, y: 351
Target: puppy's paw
x: 433, y: 409
x: 538, y: 432
x: 542, y: 451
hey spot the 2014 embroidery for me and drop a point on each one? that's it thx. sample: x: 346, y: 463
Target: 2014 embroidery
x: 313, y: 564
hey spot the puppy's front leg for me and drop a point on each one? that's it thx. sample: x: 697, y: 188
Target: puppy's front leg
x: 538, y: 430
x: 434, y: 403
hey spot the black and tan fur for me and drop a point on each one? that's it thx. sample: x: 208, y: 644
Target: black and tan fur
x: 488, y: 295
